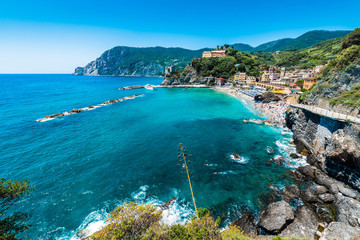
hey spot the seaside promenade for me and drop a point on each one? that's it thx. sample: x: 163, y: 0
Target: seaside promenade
x: 327, y: 113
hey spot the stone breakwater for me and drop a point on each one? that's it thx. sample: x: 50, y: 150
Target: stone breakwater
x: 50, y: 117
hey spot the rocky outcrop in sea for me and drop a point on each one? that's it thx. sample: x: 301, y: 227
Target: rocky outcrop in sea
x: 188, y: 76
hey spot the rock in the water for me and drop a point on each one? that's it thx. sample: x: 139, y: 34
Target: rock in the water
x: 348, y: 210
x: 246, y: 223
x: 340, y: 231
x: 311, y: 193
x: 308, y: 171
x: 267, y: 97
x: 304, y: 225
x: 294, y: 155
x: 275, y: 217
x: 290, y: 192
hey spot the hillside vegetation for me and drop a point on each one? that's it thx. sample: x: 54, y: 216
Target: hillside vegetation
x: 340, y: 80
x: 138, y: 221
x: 306, y: 40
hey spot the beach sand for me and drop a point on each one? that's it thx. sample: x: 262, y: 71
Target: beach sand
x: 275, y: 112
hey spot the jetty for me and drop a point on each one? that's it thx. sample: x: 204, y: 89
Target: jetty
x: 132, y: 87
x: 49, y: 117
x: 261, y: 122
x: 164, y: 86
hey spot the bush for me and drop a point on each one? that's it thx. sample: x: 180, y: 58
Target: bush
x: 130, y: 221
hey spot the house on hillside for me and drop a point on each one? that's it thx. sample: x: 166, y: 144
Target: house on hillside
x: 308, y: 82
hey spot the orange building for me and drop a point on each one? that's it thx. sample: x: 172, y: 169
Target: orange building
x: 308, y: 82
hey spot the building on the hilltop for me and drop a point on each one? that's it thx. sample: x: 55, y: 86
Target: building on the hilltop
x: 308, y: 82
x: 219, y: 81
x: 206, y: 54
x: 169, y: 70
x: 217, y: 53
x: 240, y: 78
x: 214, y: 53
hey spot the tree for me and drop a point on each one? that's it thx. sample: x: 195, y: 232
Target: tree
x: 11, y: 191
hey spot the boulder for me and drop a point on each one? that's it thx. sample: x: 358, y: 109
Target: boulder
x: 294, y: 155
x: 311, y: 193
x: 348, y: 211
x: 326, y: 197
x: 339, y: 230
x: 304, y: 225
x: 267, y: 97
x: 275, y: 217
x: 246, y: 223
x: 308, y: 171
x: 290, y: 192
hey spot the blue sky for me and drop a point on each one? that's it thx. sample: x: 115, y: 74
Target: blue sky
x: 57, y: 36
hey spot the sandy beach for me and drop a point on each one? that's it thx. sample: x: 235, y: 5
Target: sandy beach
x: 275, y: 112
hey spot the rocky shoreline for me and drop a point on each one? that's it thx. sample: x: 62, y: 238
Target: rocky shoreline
x: 324, y: 202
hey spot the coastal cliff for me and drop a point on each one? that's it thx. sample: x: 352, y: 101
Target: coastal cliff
x: 131, y: 61
x: 330, y: 145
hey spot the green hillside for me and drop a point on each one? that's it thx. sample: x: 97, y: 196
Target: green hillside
x: 304, y: 41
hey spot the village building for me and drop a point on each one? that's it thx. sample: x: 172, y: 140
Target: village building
x: 219, y: 81
x: 265, y: 77
x: 308, y: 82
x: 240, y: 78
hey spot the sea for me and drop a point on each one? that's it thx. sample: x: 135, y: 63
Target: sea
x: 84, y: 165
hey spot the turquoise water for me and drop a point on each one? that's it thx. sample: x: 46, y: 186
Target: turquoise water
x: 84, y: 165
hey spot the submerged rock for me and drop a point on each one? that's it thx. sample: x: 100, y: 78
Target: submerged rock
x: 275, y: 217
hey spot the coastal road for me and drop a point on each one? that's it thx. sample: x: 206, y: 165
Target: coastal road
x: 327, y: 113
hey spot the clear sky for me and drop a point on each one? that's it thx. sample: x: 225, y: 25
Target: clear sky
x: 46, y: 36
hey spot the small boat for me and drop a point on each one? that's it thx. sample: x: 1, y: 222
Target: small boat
x: 270, y: 150
x: 149, y: 87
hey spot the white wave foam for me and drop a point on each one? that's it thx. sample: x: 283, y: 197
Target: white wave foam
x: 241, y: 160
x: 44, y: 119
x: 141, y: 193
x: 94, y: 222
x: 285, y: 148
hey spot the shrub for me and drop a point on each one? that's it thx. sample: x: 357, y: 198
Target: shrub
x: 130, y: 221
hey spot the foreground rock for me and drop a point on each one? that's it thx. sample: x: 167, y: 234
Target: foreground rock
x: 246, y: 223
x: 275, y: 217
x: 267, y: 97
x: 340, y: 231
x: 304, y: 225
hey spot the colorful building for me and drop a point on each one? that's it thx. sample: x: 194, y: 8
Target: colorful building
x: 240, y: 78
x: 308, y: 82
x: 219, y: 81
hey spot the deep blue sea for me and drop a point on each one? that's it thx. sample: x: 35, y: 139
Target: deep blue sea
x: 86, y: 164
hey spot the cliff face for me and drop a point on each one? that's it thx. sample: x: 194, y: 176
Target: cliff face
x: 331, y: 146
x: 131, y: 61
